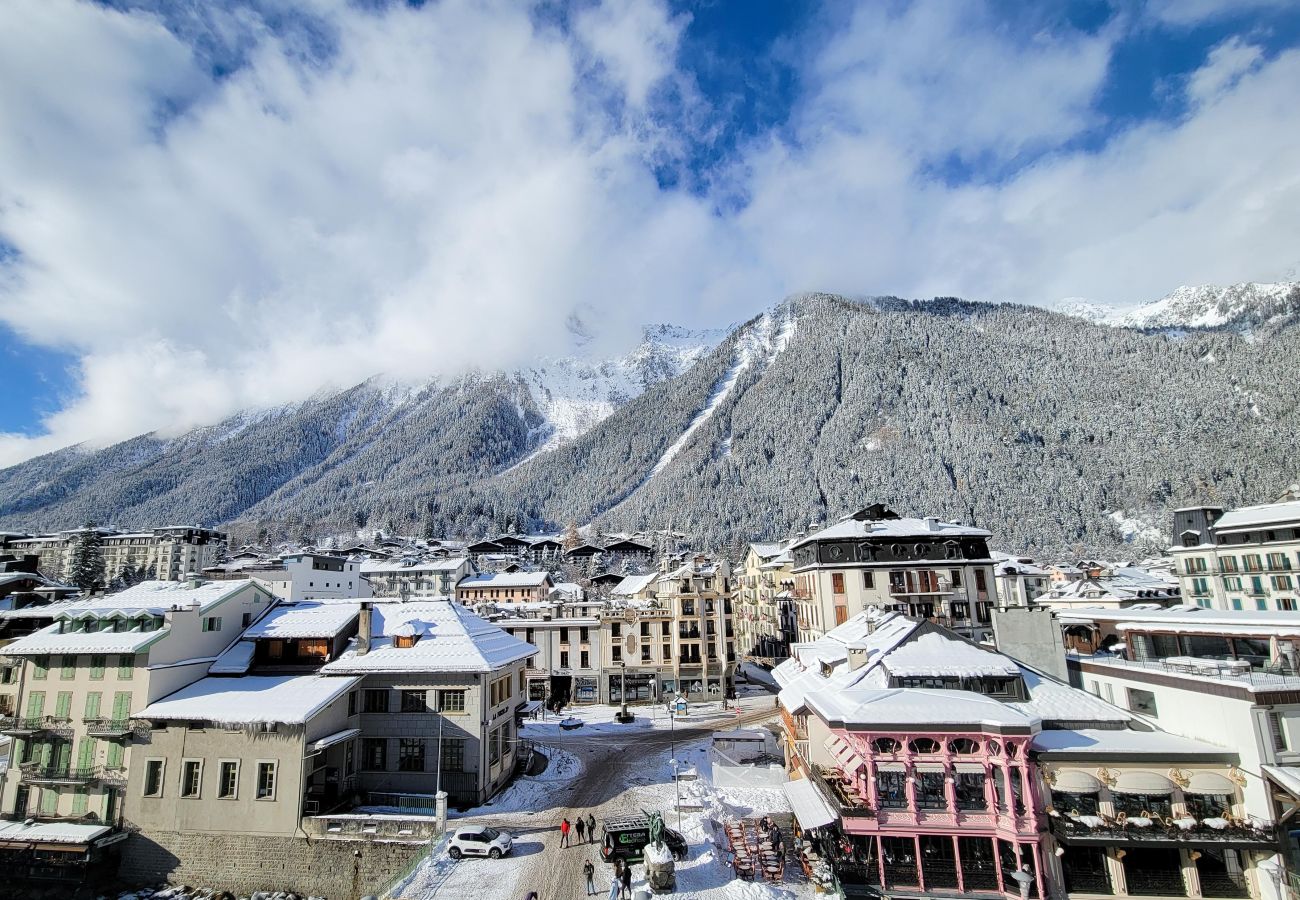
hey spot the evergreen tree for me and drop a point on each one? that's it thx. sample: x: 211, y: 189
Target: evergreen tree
x: 571, y: 537
x: 87, y: 570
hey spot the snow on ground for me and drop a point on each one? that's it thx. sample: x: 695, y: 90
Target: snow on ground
x: 532, y: 792
x: 599, y: 718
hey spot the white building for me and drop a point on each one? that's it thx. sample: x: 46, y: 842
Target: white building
x: 1245, y: 558
x: 409, y: 578
x: 314, y: 576
x: 1019, y: 579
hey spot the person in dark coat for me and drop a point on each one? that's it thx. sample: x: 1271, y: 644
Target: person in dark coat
x: 581, y: 825
x: 589, y: 872
x: 627, y: 882
x: 591, y: 828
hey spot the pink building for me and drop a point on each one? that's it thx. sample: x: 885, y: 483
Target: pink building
x: 934, y: 789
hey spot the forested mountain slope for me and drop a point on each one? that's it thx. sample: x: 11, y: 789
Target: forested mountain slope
x: 1035, y: 424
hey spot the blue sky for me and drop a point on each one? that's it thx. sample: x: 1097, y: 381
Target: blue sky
x: 207, y: 207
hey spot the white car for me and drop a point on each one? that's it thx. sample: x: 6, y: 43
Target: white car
x: 475, y: 841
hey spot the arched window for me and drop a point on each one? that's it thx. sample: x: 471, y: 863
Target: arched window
x: 885, y: 745
x: 994, y: 748
x: 924, y: 745
x: 963, y: 746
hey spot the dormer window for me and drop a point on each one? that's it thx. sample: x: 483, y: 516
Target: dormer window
x: 404, y: 641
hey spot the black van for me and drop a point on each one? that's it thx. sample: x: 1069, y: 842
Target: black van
x: 625, y: 839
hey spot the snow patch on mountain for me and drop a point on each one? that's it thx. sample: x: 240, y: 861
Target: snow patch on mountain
x: 1212, y: 306
x: 1138, y: 529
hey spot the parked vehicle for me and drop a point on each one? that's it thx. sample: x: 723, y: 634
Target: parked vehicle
x: 477, y: 841
x: 626, y: 839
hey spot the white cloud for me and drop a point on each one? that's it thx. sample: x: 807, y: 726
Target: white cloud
x: 454, y: 181
x: 1196, y: 12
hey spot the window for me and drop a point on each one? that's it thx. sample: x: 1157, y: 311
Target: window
x: 891, y: 789
x: 837, y: 582
x: 1281, y: 582
x: 1080, y: 804
x: 1228, y: 563
x: 1195, y: 564
x: 98, y: 663
x: 374, y: 754
x: 451, y: 701
x: 266, y: 781
x: 453, y: 754
x: 1277, y: 732
x: 564, y: 659
x: 868, y: 580
x: 40, y: 667
x: 1232, y: 583
x: 228, y: 780
x: 153, y: 777
x: 376, y: 701
x: 125, y: 666
x: 885, y: 745
x: 191, y: 777
x: 93, y: 701
x: 980, y: 584
x: 1236, y: 603
x: 1286, y: 603
x: 414, y: 702
x: 929, y: 791
x: 410, y: 755
x: 584, y: 660
x: 923, y: 745
x: 969, y: 787
x: 212, y: 623
x: 68, y: 670
x: 245, y: 620
x: 564, y: 635
x: 583, y: 634
x: 1141, y: 701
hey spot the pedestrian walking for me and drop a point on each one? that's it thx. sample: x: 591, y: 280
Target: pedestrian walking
x: 564, y: 833
x: 591, y: 828
x: 615, y: 887
x: 627, y: 882
x: 582, y: 827
x: 589, y: 872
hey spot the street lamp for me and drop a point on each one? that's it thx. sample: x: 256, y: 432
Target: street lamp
x: 440, y: 796
x: 624, y: 716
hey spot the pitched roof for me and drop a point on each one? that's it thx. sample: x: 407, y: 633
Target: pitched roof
x: 253, y: 699
x: 397, y: 566
x: 156, y: 597
x: 506, y: 580
x: 1258, y: 516
x: 917, y: 706
x: 305, y: 620
x: 852, y: 527
x: 452, y: 639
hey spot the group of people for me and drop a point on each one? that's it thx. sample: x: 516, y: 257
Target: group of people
x: 585, y: 829
x: 620, y: 883
x: 770, y: 832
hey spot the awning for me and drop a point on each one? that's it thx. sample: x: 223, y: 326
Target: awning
x: 968, y: 768
x: 1142, y: 783
x: 1072, y: 781
x: 529, y: 708
x: 890, y: 767
x: 1285, y: 777
x: 847, y: 758
x: 1209, y: 783
x: 928, y: 767
x: 808, y: 805
x: 331, y: 740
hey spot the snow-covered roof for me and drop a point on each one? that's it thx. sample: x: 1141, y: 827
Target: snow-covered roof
x: 766, y: 549
x: 1287, y: 776
x: 1182, y: 615
x: 1056, y: 701
x: 1125, y: 741
x: 633, y: 585
x: 1258, y: 516
x: 50, y: 640
x: 234, y: 660
x: 935, y: 655
x: 917, y: 706
x: 398, y: 566
x: 50, y: 832
x: 506, y: 580
x: 305, y: 620
x: 851, y: 527
x: 452, y: 639
x: 156, y: 597
x: 252, y: 699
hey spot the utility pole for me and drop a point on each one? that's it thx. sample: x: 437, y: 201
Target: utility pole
x: 440, y: 796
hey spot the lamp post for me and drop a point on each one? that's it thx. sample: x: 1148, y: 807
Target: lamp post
x: 677, y: 782
x: 440, y: 796
x: 623, y: 716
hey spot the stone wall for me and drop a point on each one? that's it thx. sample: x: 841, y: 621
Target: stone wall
x: 334, y: 869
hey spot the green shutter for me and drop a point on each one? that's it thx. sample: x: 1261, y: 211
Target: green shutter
x: 114, y: 760
x: 86, y: 753
x: 97, y: 664
x: 18, y: 747
x: 125, y: 666
x: 47, y: 754
x: 69, y: 670
x: 35, y: 704
x: 92, y: 704
x: 64, y: 756
x: 63, y: 705
x: 121, y: 705
x: 40, y: 667
x: 79, y: 802
x: 49, y: 801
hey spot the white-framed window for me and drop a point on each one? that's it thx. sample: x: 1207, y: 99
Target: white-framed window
x: 212, y: 623
x: 191, y: 778
x: 266, y: 779
x: 154, y: 769
x: 228, y: 779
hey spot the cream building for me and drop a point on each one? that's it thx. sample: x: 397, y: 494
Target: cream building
x: 168, y: 554
x: 1245, y: 558
x: 408, y: 578
x: 766, y: 584
x: 82, y: 678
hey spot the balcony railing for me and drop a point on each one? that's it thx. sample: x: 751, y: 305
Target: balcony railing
x: 37, y: 773
x: 16, y: 725
x: 1188, y: 830
x: 1269, y: 677
x: 108, y: 727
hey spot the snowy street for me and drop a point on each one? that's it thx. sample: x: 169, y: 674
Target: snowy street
x: 607, y: 773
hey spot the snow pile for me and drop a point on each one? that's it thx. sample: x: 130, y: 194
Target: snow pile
x: 658, y: 854
x: 531, y: 793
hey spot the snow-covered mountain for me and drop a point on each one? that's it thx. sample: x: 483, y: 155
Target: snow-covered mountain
x: 1237, y: 306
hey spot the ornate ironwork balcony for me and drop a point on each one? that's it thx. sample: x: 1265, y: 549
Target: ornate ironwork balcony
x: 35, y: 773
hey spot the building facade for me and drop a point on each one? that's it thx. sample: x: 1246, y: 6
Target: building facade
x: 314, y: 576
x: 1245, y: 558
x: 164, y: 554
x: 409, y: 578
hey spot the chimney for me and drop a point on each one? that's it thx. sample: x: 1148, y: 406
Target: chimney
x: 858, y: 654
x: 931, y: 523
x: 364, y: 631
